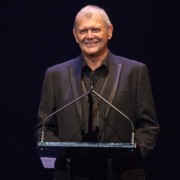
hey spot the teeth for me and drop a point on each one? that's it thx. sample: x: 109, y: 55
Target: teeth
x: 90, y: 42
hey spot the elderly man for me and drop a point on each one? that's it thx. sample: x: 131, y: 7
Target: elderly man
x: 122, y: 82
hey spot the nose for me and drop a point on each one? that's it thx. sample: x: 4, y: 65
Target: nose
x: 90, y: 34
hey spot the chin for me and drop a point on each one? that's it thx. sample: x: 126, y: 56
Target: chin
x: 91, y: 52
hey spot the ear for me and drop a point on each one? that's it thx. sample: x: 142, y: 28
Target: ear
x: 110, y: 32
x: 75, y: 35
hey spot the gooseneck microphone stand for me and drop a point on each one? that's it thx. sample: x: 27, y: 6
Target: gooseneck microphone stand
x: 92, y: 135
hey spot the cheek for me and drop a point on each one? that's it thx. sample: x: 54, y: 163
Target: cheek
x: 78, y: 38
x: 81, y: 40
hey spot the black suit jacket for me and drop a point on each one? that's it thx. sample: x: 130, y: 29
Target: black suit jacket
x: 129, y: 91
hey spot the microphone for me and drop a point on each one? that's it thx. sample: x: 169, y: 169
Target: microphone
x: 93, y: 80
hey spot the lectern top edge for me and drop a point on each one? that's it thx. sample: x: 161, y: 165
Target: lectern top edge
x: 86, y: 144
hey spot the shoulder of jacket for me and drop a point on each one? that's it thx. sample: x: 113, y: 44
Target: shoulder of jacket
x: 126, y: 61
x: 63, y: 65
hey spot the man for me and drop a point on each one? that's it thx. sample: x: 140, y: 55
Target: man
x: 122, y: 82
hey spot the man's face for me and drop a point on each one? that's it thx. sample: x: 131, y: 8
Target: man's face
x: 92, y: 35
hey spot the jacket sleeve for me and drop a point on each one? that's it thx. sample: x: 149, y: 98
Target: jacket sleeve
x: 46, y: 107
x: 146, y: 124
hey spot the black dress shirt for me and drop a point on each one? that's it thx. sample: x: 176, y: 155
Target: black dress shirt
x: 100, y: 76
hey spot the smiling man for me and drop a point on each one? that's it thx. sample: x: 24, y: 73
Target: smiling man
x: 92, y: 31
x: 122, y: 82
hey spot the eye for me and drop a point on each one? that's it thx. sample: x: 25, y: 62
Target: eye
x: 83, y: 31
x: 95, y: 30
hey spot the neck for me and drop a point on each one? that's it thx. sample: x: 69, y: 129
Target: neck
x: 94, y: 61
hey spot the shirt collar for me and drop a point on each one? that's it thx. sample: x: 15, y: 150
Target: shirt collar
x: 105, y: 63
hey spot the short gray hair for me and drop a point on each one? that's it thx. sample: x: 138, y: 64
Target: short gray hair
x: 89, y: 10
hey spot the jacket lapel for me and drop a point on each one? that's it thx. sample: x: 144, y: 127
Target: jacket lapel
x: 75, y: 78
x: 114, y: 76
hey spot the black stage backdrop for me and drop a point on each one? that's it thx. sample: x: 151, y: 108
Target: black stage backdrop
x: 37, y: 34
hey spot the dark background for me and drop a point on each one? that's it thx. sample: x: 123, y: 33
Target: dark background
x: 37, y: 34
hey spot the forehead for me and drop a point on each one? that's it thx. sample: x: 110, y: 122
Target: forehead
x: 94, y: 20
